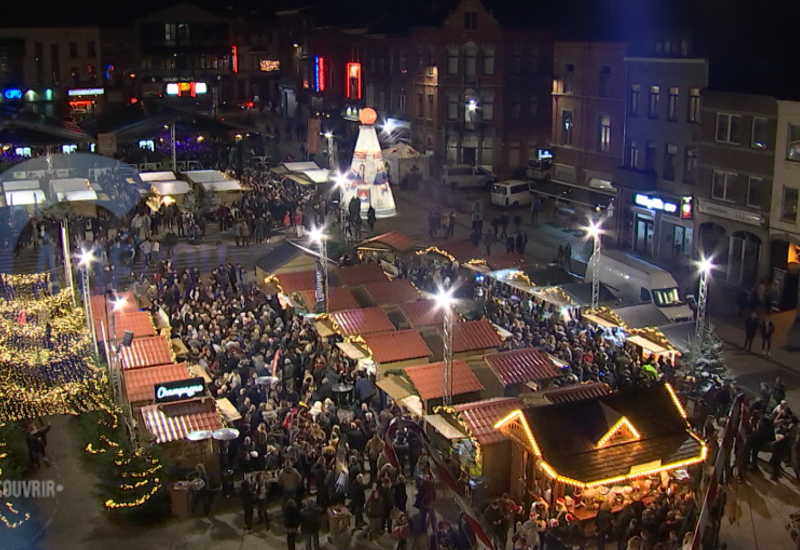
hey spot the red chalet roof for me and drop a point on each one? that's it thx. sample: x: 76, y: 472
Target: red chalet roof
x: 174, y: 421
x: 576, y: 392
x: 367, y: 320
x: 303, y: 280
x: 521, y: 365
x: 146, y: 352
x: 392, y: 239
x: 392, y: 292
x: 361, y: 274
x: 428, y: 379
x: 140, y: 383
x: 423, y: 313
x: 481, y: 416
x: 475, y: 335
x: 402, y: 345
x: 140, y: 323
x: 338, y: 299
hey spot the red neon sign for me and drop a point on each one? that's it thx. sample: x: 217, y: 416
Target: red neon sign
x: 235, y: 54
x: 353, y: 80
x: 320, y: 73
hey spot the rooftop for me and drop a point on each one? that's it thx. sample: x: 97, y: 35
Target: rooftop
x: 360, y: 274
x: 401, y: 345
x: 175, y: 421
x: 338, y: 299
x: 362, y: 321
x: 303, y: 280
x: 423, y: 313
x: 392, y: 292
x: 522, y: 365
x: 474, y: 336
x: 146, y: 352
x: 481, y: 416
x: 428, y: 379
x: 140, y: 383
x: 391, y: 240
x: 140, y: 323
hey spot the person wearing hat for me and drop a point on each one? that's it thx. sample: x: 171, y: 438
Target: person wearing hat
x: 497, y: 520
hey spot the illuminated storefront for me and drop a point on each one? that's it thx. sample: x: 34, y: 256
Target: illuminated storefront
x: 84, y: 101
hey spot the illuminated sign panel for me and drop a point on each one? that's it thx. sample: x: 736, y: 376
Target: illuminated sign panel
x: 12, y: 93
x: 85, y: 92
x: 235, y: 58
x: 687, y: 208
x: 319, y: 74
x: 353, y: 80
x: 269, y: 65
x: 655, y: 203
x: 182, y: 389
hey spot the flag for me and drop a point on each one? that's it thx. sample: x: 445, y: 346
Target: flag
x: 275, y: 362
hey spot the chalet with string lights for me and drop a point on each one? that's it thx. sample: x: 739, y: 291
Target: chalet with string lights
x: 609, y: 448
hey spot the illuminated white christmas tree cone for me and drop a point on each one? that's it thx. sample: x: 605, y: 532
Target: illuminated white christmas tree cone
x: 368, y: 179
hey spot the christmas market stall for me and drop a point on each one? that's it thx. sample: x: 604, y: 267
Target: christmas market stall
x: 427, y: 383
x: 141, y: 384
x: 614, y: 449
x: 361, y: 274
x: 396, y: 349
x: 387, y: 293
x: 423, y: 315
x: 522, y: 371
x: 151, y: 351
x: 475, y: 338
x: 386, y: 247
x: 461, y: 251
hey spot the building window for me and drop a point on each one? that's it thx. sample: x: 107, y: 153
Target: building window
x: 694, y: 105
x: 487, y: 154
x: 758, y: 138
x: 604, y: 88
x: 756, y: 192
x: 451, y: 154
x: 722, y: 186
x: 403, y: 62
x: 670, y: 161
x: 636, y: 95
x: 452, y: 61
x: 604, y: 133
x: 55, y: 65
x: 169, y: 33
x: 516, y: 62
x: 431, y: 108
x: 535, y: 60
x: 487, y: 107
x: 789, y: 206
x: 73, y: 49
x: 650, y: 153
x: 471, y: 113
x: 470, y: 63
x: 382, y: 65
x: 672, y: 106
x: 793, y: 146
x: 569, y: 78
x: 452, y: 107
x: 91, y: 49
x: 633, y: 154
x: 402, y: 104
x: 488, y: 61
x: 690, y: 166
x: 470, y: 21
x: 728, y: 128
x: 533, y: 106
x: 652, y: 106
x: 515, y: 107
x: 420, y: 106
x: 566, y: 127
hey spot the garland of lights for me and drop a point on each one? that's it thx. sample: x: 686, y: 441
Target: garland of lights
x: 9, y: 516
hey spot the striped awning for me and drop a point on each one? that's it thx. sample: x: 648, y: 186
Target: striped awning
x: 175, y: 421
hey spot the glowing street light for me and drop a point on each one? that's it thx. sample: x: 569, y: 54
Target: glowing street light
x: 705, y: 266
x: 119, y: 303
x: 389, y: 126
x: 86, y: 258
x: 445, y: 300
x: 595, y: 231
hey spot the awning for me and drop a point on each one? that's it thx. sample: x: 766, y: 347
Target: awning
x: 278, y: 170
x: 597, y: 320
x: 317, y: 176
x: 324, y: 329
x: 299, y: 179
x: 300, y: 166
x: 443, y: 427
x: 351, y: 350
x: 196, y: 371
x: 28, y: 196
x: 648, y: 345
x: 157, y: 176
x: 166, y: 188
x: 219, y: 186
x: 20, y: 185
x: 502, y: 332
x: 557, y: 362
x: 228, y: 411
x: 413, y: 403
x: 395, y: 387
x: 77, y: 196
x: 571, y: 193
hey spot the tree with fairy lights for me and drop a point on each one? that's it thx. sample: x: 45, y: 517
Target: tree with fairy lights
x: 131, y: 479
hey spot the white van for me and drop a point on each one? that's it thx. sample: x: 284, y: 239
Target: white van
x: 463, y: 176
x: 634, y: 281
x: 511, y: 193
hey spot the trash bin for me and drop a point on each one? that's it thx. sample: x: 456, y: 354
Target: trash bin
x: 339, y: 519
x: 180, y: 498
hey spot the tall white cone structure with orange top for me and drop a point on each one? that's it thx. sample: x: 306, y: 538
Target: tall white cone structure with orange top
x: 368, y: 178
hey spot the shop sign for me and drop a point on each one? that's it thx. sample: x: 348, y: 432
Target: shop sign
x: 735, y: 214
x: 176, y: 79
x: 12, y: 94
x: 85, y: 92
x: 319, y: 74
x: 269, y: 65
x: 179, y: 390
x: 655, y: 203
x: 687, y: 208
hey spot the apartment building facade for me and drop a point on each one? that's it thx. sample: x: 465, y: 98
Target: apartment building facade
x: 588, y: 120
x: 658, y: 176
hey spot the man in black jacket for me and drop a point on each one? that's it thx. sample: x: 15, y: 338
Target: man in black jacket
x: 750, y: 329
x: 248, y: 504
x: 310, y: 524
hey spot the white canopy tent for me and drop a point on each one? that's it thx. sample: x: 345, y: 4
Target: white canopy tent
x: 404, y: 160
x: 20, y: 185
x: 157, y: 176
x: 317, y: 176
x: 78, y: 196
x: 167, y: 188
x: 69, y: 185
x: 300, y: 166
x: 25, y: 197
x: 203, y: 176
x: 218, y: 186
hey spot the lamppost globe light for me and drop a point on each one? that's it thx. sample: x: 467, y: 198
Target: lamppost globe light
x: 327, y: 135
x: 444, y: 298
x: 341, y: 180
x: 316, y: 234
x: 119, y: 303
x: 705, y: 265
x: 594, y: 229
x: 86, y: 257
x: 389, y: 126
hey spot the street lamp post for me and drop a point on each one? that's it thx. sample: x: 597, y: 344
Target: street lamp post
x: 341, y: 184
x: 318, y: 236
x: 705, y: 266
x: 445, y: 300
x: 85, y: 261
x: 331, y: 156
x: 113, y: 358
x: 595, y: 232
x: 68, y: 260
x: 174, y: 147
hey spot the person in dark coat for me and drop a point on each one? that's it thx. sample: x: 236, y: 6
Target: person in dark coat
x: 400, y: 494
x: 400, y: 446
x: 386, y: 490
x: 767, y: 328
x: 358, y: 499
x: 310, y: 524
x: 750, y: 329
x: 248, y: 503
x: 780, y: 450
x: 291, y: 521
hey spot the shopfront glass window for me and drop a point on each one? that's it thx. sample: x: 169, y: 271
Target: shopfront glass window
x: 789, y: 206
